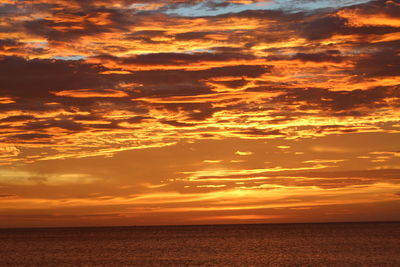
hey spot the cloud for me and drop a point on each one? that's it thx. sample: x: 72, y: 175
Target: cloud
x: 7, y: 195
x: 322, y: 28
x: 83, y: 93
x: 244, y: 153
x: 30, y: 136
x: 330, y: 149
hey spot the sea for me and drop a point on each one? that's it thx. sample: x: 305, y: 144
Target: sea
x: 316, y: 244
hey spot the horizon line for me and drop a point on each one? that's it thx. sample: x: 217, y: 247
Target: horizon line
x: 191, y: 225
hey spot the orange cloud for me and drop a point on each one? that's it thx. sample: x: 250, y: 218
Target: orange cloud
x: 84, y: 93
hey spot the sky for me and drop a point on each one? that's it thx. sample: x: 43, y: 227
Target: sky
x: 133, y: 112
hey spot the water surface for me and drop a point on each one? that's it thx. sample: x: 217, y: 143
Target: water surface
x: 335, y: 244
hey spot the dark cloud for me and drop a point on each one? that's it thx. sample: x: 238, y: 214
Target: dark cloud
x: 194, y: 111
x: 45, y: 124
x: 340, y: 100
x: 192, y: 35
x: 40, y: 77
x: 87, y: 117
x: 175, y: 58
x: 178, y: 124
x: 382, y: 63
x: 326, y: 56
x: 7, y: 195
x: 137, y: 119
x: 7, y: 9
x: 17, y: 118
x: 319, y: 57
x: 30, y: 136
x: 164, y: 83
x: 234, y: 83
x: 8, y: 42
x: 259, y: 132
x: 322, y: 28
x: 146, y: 36
x: 88, y: 23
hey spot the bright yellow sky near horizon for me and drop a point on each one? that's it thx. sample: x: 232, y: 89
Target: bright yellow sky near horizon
x: 129, y: 112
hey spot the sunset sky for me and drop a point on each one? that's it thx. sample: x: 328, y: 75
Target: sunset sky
x: 138, y: 112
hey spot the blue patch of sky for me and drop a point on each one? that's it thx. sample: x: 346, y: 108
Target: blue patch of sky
x: 38, y: 44
x: 204, y: 9
x: 6, y: 9
x: 69, y: 57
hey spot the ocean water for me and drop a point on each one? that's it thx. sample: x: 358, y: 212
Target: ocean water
x: 334, y: 244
